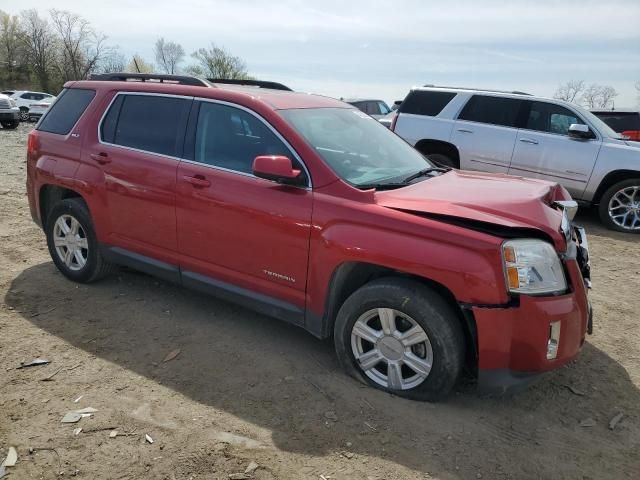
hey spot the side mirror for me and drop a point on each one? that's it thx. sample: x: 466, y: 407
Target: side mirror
x: 277, y: 168
x: 578, y: 130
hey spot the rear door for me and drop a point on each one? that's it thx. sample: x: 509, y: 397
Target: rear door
x: 138, y: 150
x: 545, y: 150
x: 485, y: 133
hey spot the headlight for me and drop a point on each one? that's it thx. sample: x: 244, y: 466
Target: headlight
x: 533, y: 267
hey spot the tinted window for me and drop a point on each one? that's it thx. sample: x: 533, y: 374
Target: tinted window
x: 66, y: 110
x: 427, y: 103
x: 384, y: 109
x: 494, y: 110
x: 108, y: 126
x: 231, y: 138
x: 550, y: 118
x: 150, y: 123
x: 621, y: 121
x: 26, y: 96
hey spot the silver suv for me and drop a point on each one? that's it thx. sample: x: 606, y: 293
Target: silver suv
x: 520, y: 134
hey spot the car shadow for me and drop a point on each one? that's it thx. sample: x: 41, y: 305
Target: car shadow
x: 282, y: 379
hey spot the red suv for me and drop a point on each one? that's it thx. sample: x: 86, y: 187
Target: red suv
x: 308, y: 210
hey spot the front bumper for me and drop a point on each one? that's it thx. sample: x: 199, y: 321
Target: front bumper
x: 513, y: 341
x: 9, y: 115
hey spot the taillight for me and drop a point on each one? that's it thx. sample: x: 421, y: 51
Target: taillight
x: 632, y: 134
x: 393, y: 122
x: 32, y: 143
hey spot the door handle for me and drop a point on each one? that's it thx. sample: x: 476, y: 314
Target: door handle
x: 464, y: 130
x: 101, y: 158
x: 529, y: 141
x: 198, y: 181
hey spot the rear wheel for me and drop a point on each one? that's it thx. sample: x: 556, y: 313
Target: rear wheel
x: 10, y: 125
x: 24, y: 114
x: 620, y: 206
x: 401, y: 337
x: 72, y: 242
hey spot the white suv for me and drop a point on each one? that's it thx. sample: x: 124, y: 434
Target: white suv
x: 32, y: 104
x: 519, y: 134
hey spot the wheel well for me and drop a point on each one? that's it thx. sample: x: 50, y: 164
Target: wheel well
x: 426, y: 147
x: 24, y: 108
x: 49, y: 196
x: 350, y: 276
x: 612, y: 178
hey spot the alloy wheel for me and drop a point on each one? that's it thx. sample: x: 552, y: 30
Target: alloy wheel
x: 624, y: 208
x: 391, y: 348
x: 24, y: 115
x: 70, y: 241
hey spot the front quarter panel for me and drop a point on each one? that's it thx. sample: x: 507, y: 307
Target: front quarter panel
x: 614, y: 155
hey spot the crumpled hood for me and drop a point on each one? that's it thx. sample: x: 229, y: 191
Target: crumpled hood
x: 513, y: 202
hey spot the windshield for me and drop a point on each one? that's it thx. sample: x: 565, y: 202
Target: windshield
x: 602, y: 127
x: 357, y: 147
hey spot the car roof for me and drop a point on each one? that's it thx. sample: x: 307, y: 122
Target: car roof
x: 617, y: 110
x: 274, y: 99
x: 350, y: 100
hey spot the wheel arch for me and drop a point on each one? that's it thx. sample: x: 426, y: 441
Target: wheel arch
x: 427, y: 146
x: 49, y: 195
x: 610, y: 179
x: 350, y: 276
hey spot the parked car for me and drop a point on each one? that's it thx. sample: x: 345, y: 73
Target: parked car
x: 376, y: 108
x: 306, y: 209
x: 519, y: 134
x: 625, y: 122
x: 32, y: 104
x: 387, y: 120
x: 9, y: 112
x: 396, y: 105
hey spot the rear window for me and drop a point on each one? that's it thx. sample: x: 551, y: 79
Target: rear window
x: 147, y: 122
x: 493, y: 110
x: 620, y: 121
x: 428, y: 103
x: 66, y: 110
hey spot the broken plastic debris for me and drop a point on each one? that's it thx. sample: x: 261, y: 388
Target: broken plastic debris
x: 76, y: 431
x: 33, y: 363
x: 171, y: 355
x: 148, y: 438
x: 78, y: 399
x: 87, y: 410
x: 12, y: 458
x: 615, y: 420
x: 71, y: 417
x: 252, y: 467
x: 113, y: 434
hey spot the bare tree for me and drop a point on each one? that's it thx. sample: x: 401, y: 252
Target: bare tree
x: 113, y: 62
x: 11, y: 46
x: 39, y: 42
x: 216, y: 62
x: 607, y: 94
x: 81, y: 47
x: 569, y: 91
x: 139, y: 65
x: 598, y: 96
x: 168, y: 55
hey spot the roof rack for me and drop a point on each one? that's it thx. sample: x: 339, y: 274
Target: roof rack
x: 514, y: 92
x: 251, y: 83
x: 150, y: 77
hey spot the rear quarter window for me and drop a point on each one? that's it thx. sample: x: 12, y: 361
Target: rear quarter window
x: 428, y: 103
x: 66, y: 111
x: 503, y: 111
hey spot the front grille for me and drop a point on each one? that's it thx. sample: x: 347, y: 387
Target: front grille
x: 4, y: 103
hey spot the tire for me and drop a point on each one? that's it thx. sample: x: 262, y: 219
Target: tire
x: 24, y: 114
x: 408, y: 301
x: 441, y: 160
x: 95, y: 266
x: 10, y: 125
x: 622, y: 198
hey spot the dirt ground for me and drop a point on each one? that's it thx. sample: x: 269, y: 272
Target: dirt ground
x: 248, y: 388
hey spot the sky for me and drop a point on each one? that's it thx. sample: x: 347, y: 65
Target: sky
x: 380, y: 49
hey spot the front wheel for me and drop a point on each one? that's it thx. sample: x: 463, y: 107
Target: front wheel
x: 402, y: 337
x: 10, y: 125
x: 72, y: 242
x: 24, y: 114
x: 620, y: 206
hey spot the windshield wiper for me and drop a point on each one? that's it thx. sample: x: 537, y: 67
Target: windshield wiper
x: 382, y: 186
x: 423, y: 172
